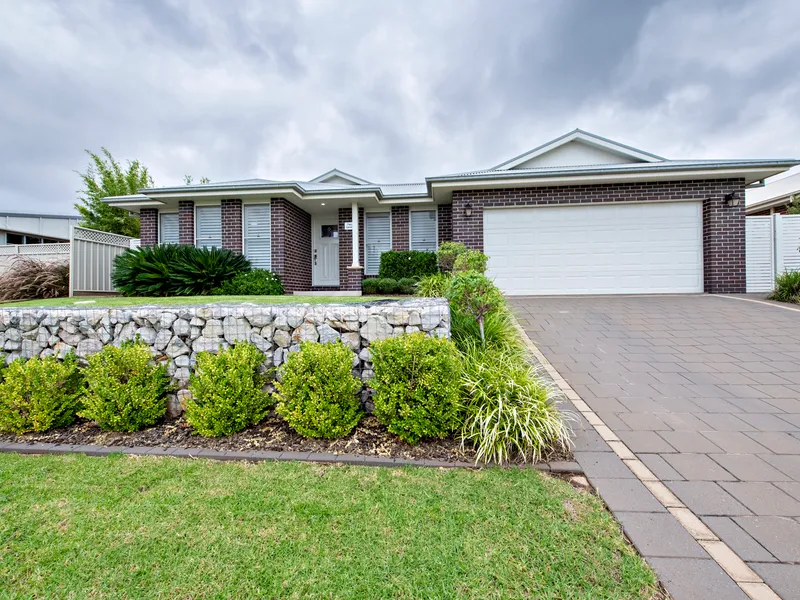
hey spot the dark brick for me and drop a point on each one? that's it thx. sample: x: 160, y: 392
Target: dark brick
x: 400, y: 225
x: 148, y: 226
x: 231, y: 211
x: 186, y: 222
x: 291, y: 245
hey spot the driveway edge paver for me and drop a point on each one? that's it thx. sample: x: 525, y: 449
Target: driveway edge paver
x: 747, y: 580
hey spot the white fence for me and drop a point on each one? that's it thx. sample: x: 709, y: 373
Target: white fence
x: 48, y: 252
x: 92, y: 256
x: 772, y: 247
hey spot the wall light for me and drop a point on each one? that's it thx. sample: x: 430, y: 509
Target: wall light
x: 322, y: 204
x: 468, y: 210
x: 733, y: 199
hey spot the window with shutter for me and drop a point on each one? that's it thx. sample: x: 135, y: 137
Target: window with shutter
x: 208, y: 228
x: 377, y: 239
x: 423, y: 230
x: 257, y: 235
x: 168, y: 228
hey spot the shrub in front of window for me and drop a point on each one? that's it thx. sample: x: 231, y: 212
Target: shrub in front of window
x: 471, y: 261
x: 125, y: 391
x: 406, y: 285
x: 39, y: 394
x: 387, y: 285
x: 370, y: 286
x: 447, y: 253
x: 416, y: 386
x: 258, y: 282
x: 317, y: 393
x: 407, y: 263
x: 174, y: 270
x: 227, y: 391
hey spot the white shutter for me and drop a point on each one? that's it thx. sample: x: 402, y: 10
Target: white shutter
x: 257, y: 235
x: 378, y: 239
x: 208, y: 229
x: 168, y: 230
x: 423, y: 230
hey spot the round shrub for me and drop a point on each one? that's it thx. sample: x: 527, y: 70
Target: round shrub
x: 387, y: 285
x: 416, y: 386
x: 318, y: 394
x: 125, y: 390
x: 447, y: 254
x: 39, y: 394
x: 469, y: 261
x: 406, y: 285
x: 227, y: 391
x: 258, y: 282
x: 370, y: 286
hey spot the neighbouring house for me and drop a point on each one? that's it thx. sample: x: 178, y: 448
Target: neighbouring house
x: 774, y: 197
x: 31, y: 228
x: 581, y: 214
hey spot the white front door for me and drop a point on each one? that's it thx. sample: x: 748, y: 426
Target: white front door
x: 325, y: 250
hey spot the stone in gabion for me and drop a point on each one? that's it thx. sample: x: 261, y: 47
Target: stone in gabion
x: 235, y: 330
x: 162, y: 339
x: 195, y: 332
x: 295, y: 316
x: 305, y: 333
x: 13, y: 335
x: 412, y: 329
x: 181, y: 327
x: 328, y: 334
x: 281, y: 322
x: 147, y: 335
x: 167, y: 319
x: 88, y: 347
x: 429, y: 320
x: 260, y: 317
x: 30, y: 348
x: 127, y: 333
x: 282, y: 338
x: 213, y: 328
x: 176, y: 347
x: 197, y: 322
x: 376, y: 328
x: 206, y: 344
x: 259, y: 342
x: 182, y: 361
x: 68, y: 338
x: 352, y: 339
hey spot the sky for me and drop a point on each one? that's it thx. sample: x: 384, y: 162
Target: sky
x: 388, y: 91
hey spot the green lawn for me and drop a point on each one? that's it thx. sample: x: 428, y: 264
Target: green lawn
x: 107, y: 301
x: 146, y: 527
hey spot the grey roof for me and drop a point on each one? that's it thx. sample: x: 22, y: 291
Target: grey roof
x: 38, y: 215
x: 340, y: 173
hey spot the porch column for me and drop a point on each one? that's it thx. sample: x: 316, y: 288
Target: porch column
x: 148, y: 227
x: 354, y: 218
x: 354, y: 274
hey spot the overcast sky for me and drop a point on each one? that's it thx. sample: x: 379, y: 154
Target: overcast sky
x: 389, y: 91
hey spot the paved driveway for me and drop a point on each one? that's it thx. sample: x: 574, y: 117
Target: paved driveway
x: 705, y: 391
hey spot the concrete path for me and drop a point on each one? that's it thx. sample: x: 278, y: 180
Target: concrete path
x: 705, y: 391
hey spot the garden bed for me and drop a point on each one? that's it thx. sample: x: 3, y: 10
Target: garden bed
x: 369, y: 438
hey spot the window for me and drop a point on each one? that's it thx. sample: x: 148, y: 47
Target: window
x: 257, y: 235
x: 15, y: 239
x: 423, y: 230
x: 168, y: 229
x: 377, y: 239
x: 329, y: 231
x: 208, y: 228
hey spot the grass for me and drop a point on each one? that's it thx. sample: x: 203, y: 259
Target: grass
x: 112, y: 301
x: 147, y: 527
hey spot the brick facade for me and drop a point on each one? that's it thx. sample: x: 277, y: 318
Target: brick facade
x: 723, y: 226
x: 445, y: 222
x: 400, y: 225
x: 291, y: 245
x: 347, y: 278
x: 232, y: 225
x: 186, y: 222
x: 148, y: 226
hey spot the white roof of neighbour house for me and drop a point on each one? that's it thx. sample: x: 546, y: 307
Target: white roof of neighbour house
x: 775, y: 193
x: 578, y: 157
x: 40, y: 225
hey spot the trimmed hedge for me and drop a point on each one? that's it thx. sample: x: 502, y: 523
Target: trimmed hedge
x: 370, y: 286
x: 407, y: 263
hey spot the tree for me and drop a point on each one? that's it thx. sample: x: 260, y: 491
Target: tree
x: 474, y: 294
x: 105, y: 177
x: 793, y: 207
x: 189, y: 180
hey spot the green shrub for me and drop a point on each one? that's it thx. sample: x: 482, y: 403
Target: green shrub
x: 499, y: 328
x: 386, y: 285
x: 318, y: 394
x: 507, y: 409
x: 406, y: 285
x: 227, y: 391
x: 173, y: 270
x: 369, y: 286
x: 39, y: 394
x: 787, y: 287
x: 447, y: 254
x: 471, y: 260
x: 416, y: 386
x: 433, y: 286
x: 258, y: 282
x: 407, y: 263
x: 125, y: 390
x: 475, y: 295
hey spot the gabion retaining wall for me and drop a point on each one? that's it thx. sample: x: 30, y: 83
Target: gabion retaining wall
x: 176, y: 334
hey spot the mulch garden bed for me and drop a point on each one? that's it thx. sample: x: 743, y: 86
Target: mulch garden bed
x: 369, y: 438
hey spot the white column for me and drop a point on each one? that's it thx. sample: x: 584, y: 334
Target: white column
x: 354, y: 219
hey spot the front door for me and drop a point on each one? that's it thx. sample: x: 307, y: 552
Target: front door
x: 325, y: 251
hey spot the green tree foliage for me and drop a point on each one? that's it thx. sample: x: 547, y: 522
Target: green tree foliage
x: 105, y: 177
x: 475, y: 295
x: 794, y: 206
x: 189, y: 180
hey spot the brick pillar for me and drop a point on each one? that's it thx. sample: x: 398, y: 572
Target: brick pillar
x: 468, y: 229
x: 232, y: 225
x: 291, y: 244
x: 400, y: 226
x: 724, y: 270
x: 445, y: 218
x: 148, y: 226
x: 186, y: 223
x: 353, y: 278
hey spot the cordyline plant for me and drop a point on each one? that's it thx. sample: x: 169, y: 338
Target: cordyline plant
x: 31, y: 279
x: 476, y: 295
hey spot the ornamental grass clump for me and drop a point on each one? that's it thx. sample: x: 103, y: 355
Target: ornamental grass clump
x: 416, y: 386
x: 433, y: 286
x: 30, y: 279
x: 228, y: 391
x: 125, y: 390
x: 40, y: 394
x: 317, y: 393
x: 787, y: 287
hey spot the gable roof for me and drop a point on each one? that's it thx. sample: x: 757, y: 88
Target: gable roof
x: 584, y: 137
x: 337, y: 174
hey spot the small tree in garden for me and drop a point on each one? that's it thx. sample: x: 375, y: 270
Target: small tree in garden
x: 471, y: 260
x: 794, y: 206
x: 447, y: 254
x: 476, y: 295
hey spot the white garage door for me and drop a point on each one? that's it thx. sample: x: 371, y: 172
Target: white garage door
x: 602, y: 249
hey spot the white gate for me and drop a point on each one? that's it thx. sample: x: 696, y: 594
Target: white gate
x: 772, y: 247
x: 91, y: 260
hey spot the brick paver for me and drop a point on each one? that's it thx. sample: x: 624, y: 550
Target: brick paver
x: 705, y: 390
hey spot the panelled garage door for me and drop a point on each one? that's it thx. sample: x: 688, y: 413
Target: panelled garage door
x: 635, y: 248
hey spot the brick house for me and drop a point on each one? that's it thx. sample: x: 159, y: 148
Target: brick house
x: 581, y: 214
